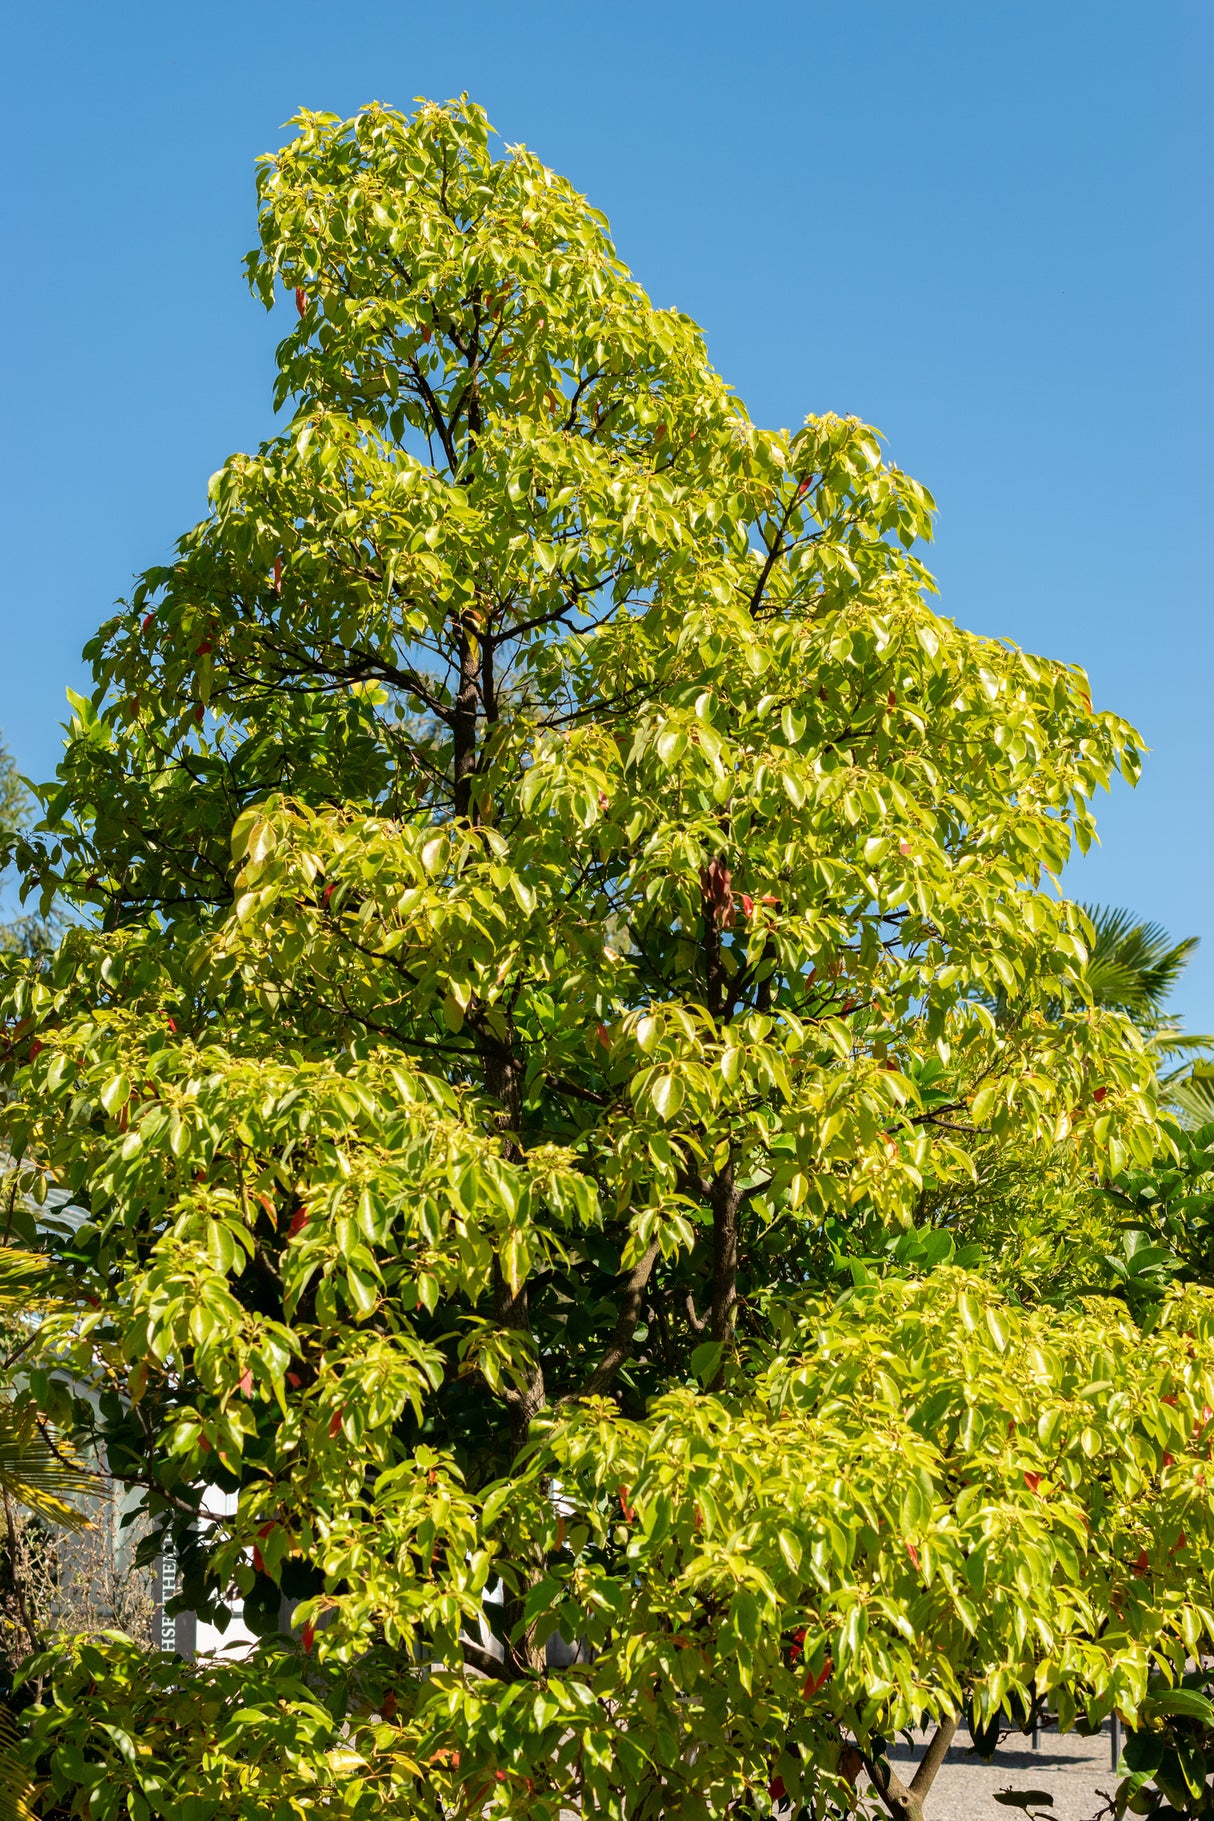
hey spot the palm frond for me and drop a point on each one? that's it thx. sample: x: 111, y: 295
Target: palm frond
x: 1132, y: 965
x: 1192, y: 1097
x: 15, y: 1786
x: 23, y: 1280
x: 1171, y: 1042
x: 37, y: 1472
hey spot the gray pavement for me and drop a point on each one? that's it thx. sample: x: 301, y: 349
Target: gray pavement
x: 1074, y: 1771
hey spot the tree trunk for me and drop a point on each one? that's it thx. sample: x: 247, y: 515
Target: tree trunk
x: 905, y: 1801
x: 503, y: 1071
x: 726, y: 1202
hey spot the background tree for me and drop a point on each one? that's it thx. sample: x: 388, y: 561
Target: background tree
x: 15, y: 804
x: 544, y: 873
x: 1169, y: 1217
x: 1133, y: 966
x: 25, y: 934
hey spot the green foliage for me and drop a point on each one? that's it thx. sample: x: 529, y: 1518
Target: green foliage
x: 1169, y: 1754
x: 974, y: 1479
x: 1172, y: 1201
x: 237, y: 1740
x: 568, y: 1003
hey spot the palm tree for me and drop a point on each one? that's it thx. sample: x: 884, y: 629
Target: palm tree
x: 1192, y: 1095
x: 1133, y: 967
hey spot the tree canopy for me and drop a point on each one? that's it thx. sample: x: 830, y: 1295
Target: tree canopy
x: 581, y: 1079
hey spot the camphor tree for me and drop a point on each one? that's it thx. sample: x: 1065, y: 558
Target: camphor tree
x: 526, y: 1057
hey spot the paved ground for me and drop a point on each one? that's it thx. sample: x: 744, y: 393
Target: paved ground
x: 1074, y: 1771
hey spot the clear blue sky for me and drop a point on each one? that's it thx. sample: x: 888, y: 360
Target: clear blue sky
x: 985, y: 227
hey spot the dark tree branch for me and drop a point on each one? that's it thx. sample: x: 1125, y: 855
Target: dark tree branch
x: 422, y: 386
x: 619, y: 1349
x: 463, y: 719
x: 478, y: 1658
x: 776, y: 551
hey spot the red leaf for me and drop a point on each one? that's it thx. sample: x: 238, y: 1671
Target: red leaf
x: 913, y: 1554
x: 813, y: 1683
x: 301, y: 302
x: 148, y: 620
x: 298, y: 1220
x: 797, y: 1645
x: 278, y: 575
x: 1032, y: 1481
x: 776, y: 1789
x: 266, y: 1528
x: 1180, y: 1543
x: 904, y: 847
x: 624, y: 1505
x: 294, y: 1380
x: 1100, y: 1093
x: 246, y: 1382
x: 387, y: 1706
x: 748, y: 905
x: 309, y: 1633
x: 1142, y: 1562
x: 258, y: 1561
x: 200, y: 651
x: 1167, y: 1460
x: 604, y: 1036
x: 335, y: 1421
x: 172, y: 1024
x: 892, y: 699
